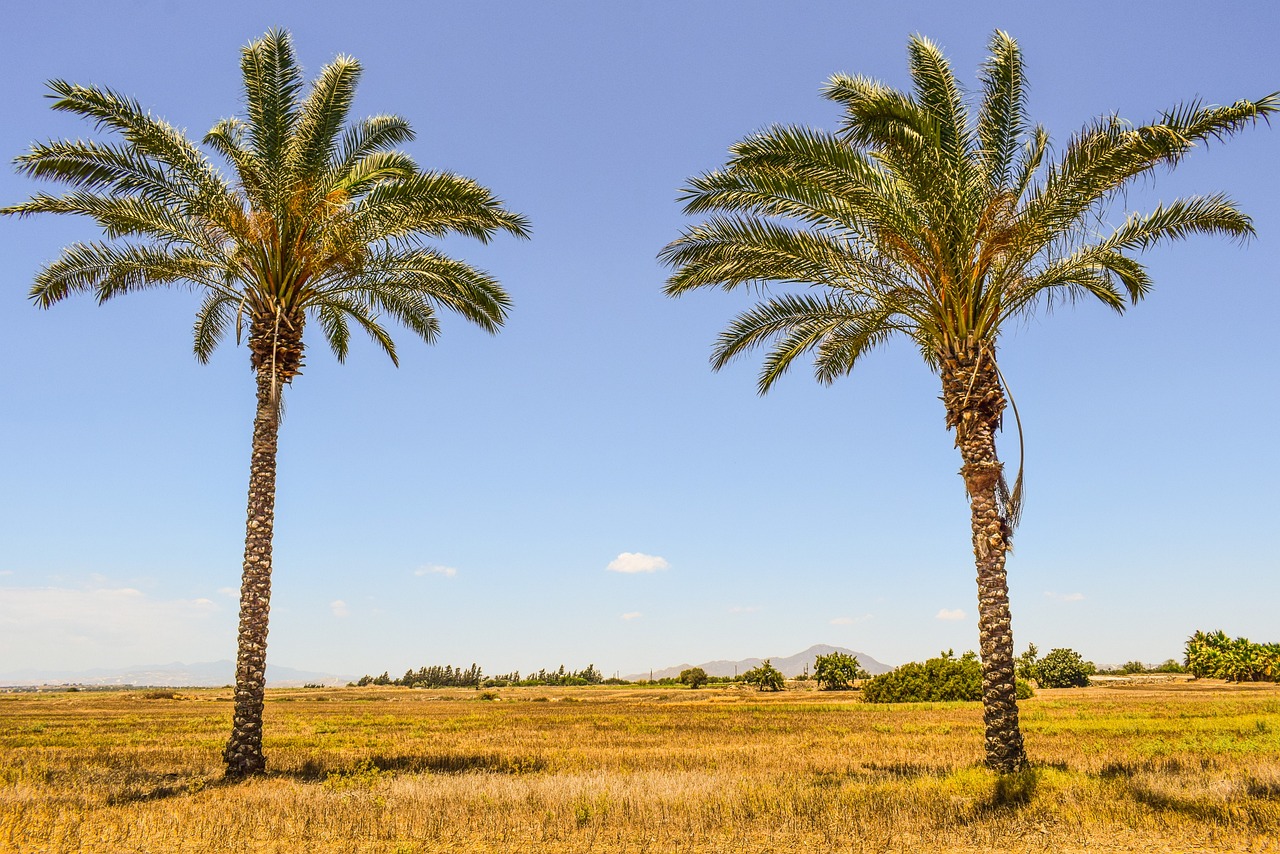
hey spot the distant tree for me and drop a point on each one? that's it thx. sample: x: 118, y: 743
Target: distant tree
x: 694, y: 677
x: 838, y: 671
x: 766, y: 677
x: 1063, y: 668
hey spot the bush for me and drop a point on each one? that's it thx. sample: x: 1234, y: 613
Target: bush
x: 940, y: 679
x: 766, y: 677
x: 1024, y: 690
x: 1213, y: 655
x: 694, y: 677
x: 1063, y: 668
x: 838, y: 671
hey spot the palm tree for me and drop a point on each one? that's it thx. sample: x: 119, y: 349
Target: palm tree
x: 320, y: 222
x: 920, y: 219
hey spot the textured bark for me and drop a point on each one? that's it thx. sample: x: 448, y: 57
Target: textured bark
x: 975, y: 403
x: 276, y: 359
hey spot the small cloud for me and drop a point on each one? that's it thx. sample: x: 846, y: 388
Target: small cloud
x: 636, y: 562
x: 1064, y: 597
x: 842, y: 621
x: 436, y: 569
x: 339, y: 608
x: 4, y: 572
x: 950, y: 614
x: 229, y: 591
x: 744, y: 609
x: 632, y: 615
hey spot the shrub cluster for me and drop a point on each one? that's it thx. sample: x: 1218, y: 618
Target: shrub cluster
x: 766, y: 677
x: 1215, y: 656
x: 939, y: 679
x: 1061, y: 668
x: 942, y: 679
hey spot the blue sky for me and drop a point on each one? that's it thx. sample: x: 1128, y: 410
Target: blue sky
x: 468, y: 505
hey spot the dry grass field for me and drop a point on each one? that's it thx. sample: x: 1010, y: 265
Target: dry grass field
x: 1158, y: 767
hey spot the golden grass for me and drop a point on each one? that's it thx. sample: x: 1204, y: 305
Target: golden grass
x: 1165, y: 767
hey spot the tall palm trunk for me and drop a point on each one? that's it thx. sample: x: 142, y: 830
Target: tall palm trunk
x: 243, y: 755
x: 975, y: 402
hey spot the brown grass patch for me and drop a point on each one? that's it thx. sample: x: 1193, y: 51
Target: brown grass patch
x: 1149, y: 767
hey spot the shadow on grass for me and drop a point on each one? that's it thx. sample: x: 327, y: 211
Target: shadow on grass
x: 314, y: 770
x: 905, y: 770
x: 173, y: 786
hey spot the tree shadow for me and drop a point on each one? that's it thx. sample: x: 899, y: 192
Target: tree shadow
x: 316, y: 770
x: 173, y: 786
x: 905, y: 770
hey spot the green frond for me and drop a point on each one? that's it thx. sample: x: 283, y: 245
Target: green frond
x: 321, y: 117
x: 227, y: 138
x: 1030, y: 158
x: 111, y: 270
x: 939, y: 94
x: 1002, y: 116
x: 214, y: 318
x: 371, y: 170
x: 733, y: 251
x: 434, y: 204
x: 272, y: 84
x: 409, y: 283
x: 189, y: 173
x: 1215, y: 214
x: 338, y: 307
x: 369, y: 136
x: 120, y: 216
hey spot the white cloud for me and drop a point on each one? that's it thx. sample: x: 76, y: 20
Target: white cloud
x: 744, y: 609
x: 950, y: 614
x: 339, y: 608
x: 436, y: 569
x: 636, y: 562
x: 1064, y: 597
x: 632, y: 615
x: 229, y: 591
x: 104, y: 624
x: 6, y: 572
x: 842, y: 621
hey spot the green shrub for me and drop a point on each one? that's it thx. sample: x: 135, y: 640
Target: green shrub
x: 694, y: 677
x: 1025, y: 692
x: 766, y: 677
x: 838, y: 671
x: 1213, y: 655
x: 1063, y: 668
x: 940, y: 679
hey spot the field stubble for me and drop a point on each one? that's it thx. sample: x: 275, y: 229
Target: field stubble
x: 1166, y: 767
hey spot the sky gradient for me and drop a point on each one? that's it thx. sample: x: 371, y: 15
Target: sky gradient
x: 582, y: 488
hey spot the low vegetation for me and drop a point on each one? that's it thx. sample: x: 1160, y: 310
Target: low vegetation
x: 1061, y: 668
x: 766, y: 677
x: 1215, y: 656
x: 1172, y: 766
x: 838, y: 671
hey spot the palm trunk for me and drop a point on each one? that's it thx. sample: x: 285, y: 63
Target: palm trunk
x: 975, y: 402
x: 243, y: 755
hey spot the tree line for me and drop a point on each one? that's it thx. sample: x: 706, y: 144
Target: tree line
x: 448, y: 676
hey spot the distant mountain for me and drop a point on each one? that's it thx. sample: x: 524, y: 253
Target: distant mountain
x: 172, y: 675
x: 791, y: 665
